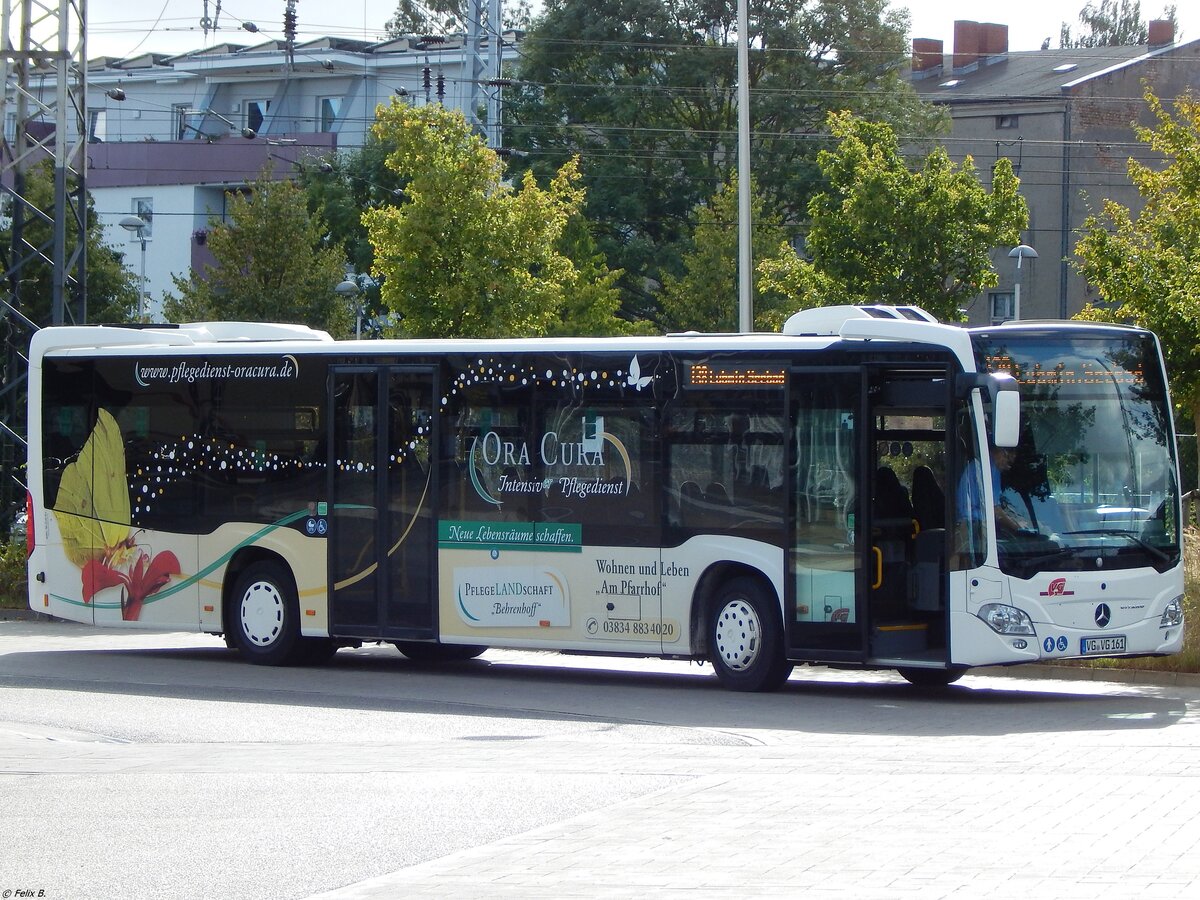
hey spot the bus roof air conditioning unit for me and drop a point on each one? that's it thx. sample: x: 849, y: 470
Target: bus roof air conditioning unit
x: 829, y: 320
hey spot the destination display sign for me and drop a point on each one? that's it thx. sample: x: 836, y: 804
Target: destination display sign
x: 733, y: 376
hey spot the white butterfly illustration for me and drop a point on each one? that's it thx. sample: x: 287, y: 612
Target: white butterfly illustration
x: 636, y: 379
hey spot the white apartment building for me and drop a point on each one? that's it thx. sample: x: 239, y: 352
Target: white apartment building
x: 172, y: 136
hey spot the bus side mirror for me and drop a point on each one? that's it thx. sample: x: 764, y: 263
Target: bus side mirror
x: 1006, y: 417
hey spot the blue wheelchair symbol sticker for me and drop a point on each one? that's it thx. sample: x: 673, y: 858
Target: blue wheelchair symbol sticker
x: 322, y: 526
x: 1062, y: 643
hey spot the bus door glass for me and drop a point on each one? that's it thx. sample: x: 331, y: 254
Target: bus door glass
x: 826, y: 611
x: 381, y: 535
x: 910, y: 485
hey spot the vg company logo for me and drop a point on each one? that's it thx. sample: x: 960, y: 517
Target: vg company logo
x: 1057, y: 588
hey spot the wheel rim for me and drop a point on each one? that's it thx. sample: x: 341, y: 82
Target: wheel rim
x: 738, y: 635
x: 262, y: 613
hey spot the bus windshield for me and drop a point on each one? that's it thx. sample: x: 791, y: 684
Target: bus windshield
x: 1092, y: 483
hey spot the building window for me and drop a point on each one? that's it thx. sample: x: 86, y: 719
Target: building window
x: 256, y: 113
x: 1008, y: 121
x: 97, y: 125
x: 327, y: 112
x: 143, y: 208
x: 1003, y: 306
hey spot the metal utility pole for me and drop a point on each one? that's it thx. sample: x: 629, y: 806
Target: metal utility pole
x: 43, y: 110
x: 483, y: 70
x: 745, y: 255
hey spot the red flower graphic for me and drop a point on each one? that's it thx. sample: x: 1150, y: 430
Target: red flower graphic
x: 129, y: 566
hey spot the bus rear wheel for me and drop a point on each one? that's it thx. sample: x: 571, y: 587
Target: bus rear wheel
x: 264, y: 616
x: 745, y: 638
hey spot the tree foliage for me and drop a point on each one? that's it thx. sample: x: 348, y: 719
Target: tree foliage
x: 644, y: 91
x: 1111, y: 23
x: 884, y: 233
x: 705, y: 297
x: 469, y: 255
x: 446, y: 16
x: 339, y: 189
x: 112, y: 295
x: 1146, y: 267
x: 112, y: 289
x: 272, y: 265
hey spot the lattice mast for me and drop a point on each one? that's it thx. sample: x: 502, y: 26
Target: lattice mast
x: 43, y: 109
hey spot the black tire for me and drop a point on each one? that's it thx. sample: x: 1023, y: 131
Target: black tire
x: 745, y: 637
x: 418, y: 651
x: 932, y: 678
x: 264, y: 616
x: 316, y: 651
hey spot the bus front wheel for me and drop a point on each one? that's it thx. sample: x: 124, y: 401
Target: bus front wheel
x: 745, y: 638
x: 264, y: 616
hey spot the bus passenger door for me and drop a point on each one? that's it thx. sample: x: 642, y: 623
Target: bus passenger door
x: 381, y: 531
x: 905, y: 523
x: 826, y: 606
x: 871, y: 501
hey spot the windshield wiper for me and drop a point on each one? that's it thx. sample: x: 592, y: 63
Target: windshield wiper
x: 1036, y: 562
x: 1157, y: 553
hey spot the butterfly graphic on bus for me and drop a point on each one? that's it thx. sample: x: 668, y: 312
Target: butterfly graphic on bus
x: 93, y: 514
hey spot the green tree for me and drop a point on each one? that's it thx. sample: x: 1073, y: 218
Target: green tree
x: 1111, y: 23
x: 446, y: 16
x: 339, y: 188
x: 272, y: 265
x: 644, y: 91
x: 705, y: 297
x: 883, y: 233
x: 467, y: 254
x: 591, y: 305
x: 112, y: 292
x: 112, y: 288
x: 1146, y: 267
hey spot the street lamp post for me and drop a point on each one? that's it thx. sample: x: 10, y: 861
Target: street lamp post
x: 1020, y: 252
x: 136, y: 226
x: 348, y: 290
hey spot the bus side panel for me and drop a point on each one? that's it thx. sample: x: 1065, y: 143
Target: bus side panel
x: 595, y: 598
x: 156, y: 585
x: 304, y: 556
x: 604, y: 599
x: 60, y: 592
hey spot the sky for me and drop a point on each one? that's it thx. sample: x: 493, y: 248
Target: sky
x: 173, y: 26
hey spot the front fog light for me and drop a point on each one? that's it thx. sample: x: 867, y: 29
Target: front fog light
x: 1173, y: 614
x: 1006, y: 619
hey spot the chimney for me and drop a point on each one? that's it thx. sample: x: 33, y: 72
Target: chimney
x: 1162, y: 32
x: 968, y: 43
x: 927, y: 54
x: 995, y: 39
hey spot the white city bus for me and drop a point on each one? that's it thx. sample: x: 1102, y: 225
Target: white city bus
x: 754, y: 500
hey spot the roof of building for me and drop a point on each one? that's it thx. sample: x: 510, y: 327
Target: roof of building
x: 1031, y: 74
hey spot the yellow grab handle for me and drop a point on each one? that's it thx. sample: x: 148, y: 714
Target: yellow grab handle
x: 878, y: 568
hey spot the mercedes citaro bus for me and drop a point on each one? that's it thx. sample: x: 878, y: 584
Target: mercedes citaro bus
x: 867, y: 488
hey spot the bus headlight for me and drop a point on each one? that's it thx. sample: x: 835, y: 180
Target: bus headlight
x: 1173, y: 614
x: 1004, y: 619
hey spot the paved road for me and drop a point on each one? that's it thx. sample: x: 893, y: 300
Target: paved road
x: 157, y: 765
